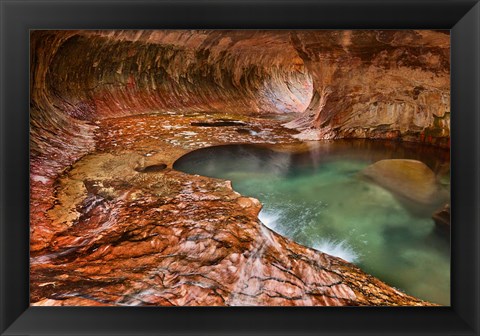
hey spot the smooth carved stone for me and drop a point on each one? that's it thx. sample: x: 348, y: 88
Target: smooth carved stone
x: 109, y: 235
x: 409, y: 178
x: 373, y: 84
x: 376, y: 84
x: 172, y: 238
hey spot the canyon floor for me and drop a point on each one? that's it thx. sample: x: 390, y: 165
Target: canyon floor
x: 121, y: 227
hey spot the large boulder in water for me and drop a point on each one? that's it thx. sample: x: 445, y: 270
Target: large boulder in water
x: 409, y: 178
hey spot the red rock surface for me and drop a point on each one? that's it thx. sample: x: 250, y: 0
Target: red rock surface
x: 377, y: 84
x: 106, y: 107
x: 128, y: 237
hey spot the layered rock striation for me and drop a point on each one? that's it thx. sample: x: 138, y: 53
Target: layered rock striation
x: 112, y: 223
x: 376, y: 84
x: 130, y: 230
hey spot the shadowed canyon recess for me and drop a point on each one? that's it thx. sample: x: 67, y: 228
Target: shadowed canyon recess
x: 114, y: 222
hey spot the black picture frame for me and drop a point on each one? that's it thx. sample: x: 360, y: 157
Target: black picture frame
x: 18, y: 17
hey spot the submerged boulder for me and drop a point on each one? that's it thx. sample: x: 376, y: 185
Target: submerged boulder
x: 442, y: 219
x: 409, y: 178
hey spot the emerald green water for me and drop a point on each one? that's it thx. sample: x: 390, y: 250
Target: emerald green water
x: 318, y: 199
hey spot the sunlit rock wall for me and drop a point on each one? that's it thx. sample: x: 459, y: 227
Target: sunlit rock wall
x: 78, y: 77
x: 374, y: 84
x: 57, y: 138
x: 82, y: 76
x: 334, y: 84
x: 109, y: 74
x: 377, y: 84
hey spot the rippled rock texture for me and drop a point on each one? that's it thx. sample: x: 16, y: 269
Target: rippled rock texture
x: 134, y: 235
x: 377, y: 84
x: 113, y: 224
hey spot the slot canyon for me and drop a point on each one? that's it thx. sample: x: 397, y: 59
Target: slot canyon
x: 115, y: 222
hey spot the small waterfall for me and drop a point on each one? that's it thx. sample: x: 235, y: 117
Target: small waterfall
x: 339, y: 249
x: 317, y: 200
x: 269, y: 218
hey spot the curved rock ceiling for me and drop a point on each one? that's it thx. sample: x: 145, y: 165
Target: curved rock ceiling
x: 374, y: 84
x: 333, y: 84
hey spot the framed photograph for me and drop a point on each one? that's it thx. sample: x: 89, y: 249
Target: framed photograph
x: 239, y: 168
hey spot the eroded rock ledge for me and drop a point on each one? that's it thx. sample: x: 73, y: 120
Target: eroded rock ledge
x: 376, y: 84
x: 129, y: 237
x: 106, y: 107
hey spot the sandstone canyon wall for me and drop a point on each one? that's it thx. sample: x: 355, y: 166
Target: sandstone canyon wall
x: 377, y: 84
x: 373, y: 84
x: 329, y: 84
